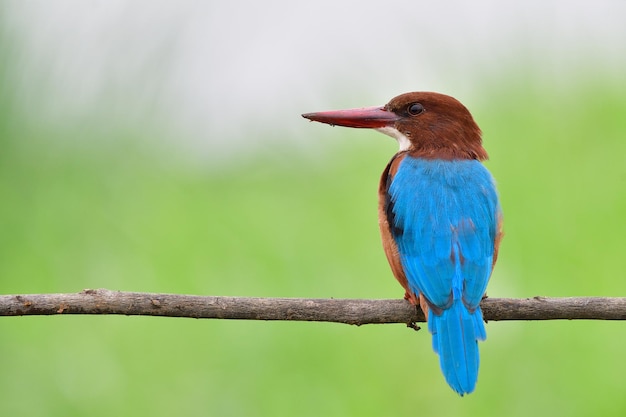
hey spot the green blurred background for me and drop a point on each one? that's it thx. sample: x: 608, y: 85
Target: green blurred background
x: 107, y: 201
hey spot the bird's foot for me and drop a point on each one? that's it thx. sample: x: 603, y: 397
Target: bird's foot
x: 411, y: 298
x: 413, y: 326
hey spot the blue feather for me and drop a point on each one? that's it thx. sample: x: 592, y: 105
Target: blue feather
x: 455, y: 338
x: 445, y: 216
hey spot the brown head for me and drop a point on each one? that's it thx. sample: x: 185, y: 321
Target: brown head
x: 427, y: 125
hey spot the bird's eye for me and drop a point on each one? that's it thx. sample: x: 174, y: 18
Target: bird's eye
x: 415, y: 108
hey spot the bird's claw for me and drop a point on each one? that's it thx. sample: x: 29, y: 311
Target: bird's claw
x: 413, y: 326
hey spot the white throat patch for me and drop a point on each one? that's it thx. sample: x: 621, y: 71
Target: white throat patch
x: 403, y: 141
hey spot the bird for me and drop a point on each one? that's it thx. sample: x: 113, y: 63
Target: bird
x: 440, y: 218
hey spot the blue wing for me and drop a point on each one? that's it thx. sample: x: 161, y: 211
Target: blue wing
x: 445, y: 218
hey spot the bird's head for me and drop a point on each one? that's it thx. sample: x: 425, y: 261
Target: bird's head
x: 427, y: 125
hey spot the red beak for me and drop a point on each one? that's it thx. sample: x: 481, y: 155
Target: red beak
x: 368, y: 117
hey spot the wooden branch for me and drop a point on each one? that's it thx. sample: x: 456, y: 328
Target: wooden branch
x: 347, y: 311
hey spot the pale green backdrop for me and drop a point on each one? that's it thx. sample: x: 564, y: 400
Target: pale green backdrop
x: 106, y: 205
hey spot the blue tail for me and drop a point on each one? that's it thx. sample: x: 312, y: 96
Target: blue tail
x: 455, y: 338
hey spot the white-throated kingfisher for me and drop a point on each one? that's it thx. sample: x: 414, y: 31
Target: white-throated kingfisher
x: 439, y: 218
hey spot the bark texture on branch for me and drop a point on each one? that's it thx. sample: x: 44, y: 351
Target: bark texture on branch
x: 349, y: 311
